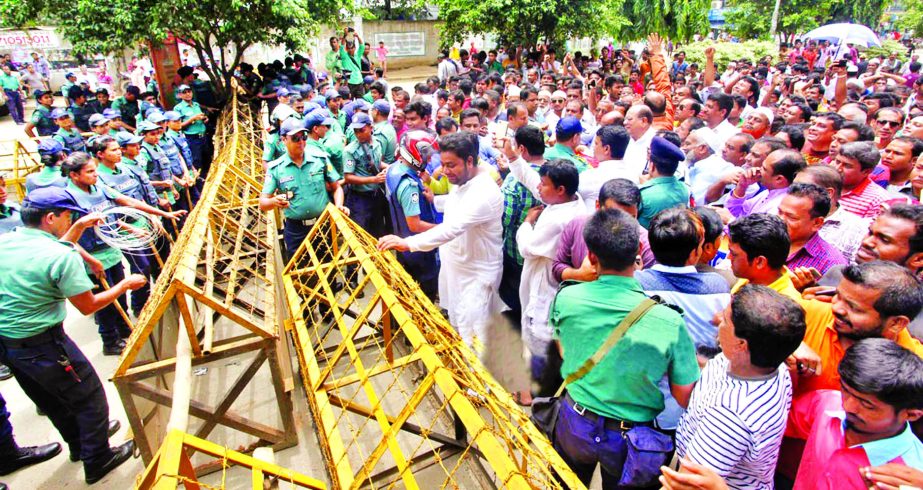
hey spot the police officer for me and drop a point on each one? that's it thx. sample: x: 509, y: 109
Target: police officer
x: 70, y: 82
x: 383, y: 131
x: 51, y: 153
x: 152, y: 160
x: 129, y: 107
x: 43, y: 267
x: 193, y: 125
x: 13, y: 457
x: 41, y: 119
x: 297, y: 182
x: 131, y: 181
x: 79, y: 109
x: 101, y: 102
x: 9, y: 210
x: 67, y: 134
x: 182, y: 179
x: 99, y: 125
x: 365, y: 174
x: 412, y: 210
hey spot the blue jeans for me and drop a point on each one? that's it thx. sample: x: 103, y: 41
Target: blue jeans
x: 14, y: 102
x: 78, y: 409
x: 584, y: 444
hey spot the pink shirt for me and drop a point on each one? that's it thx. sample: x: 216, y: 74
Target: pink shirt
x: 827, y: 463
x: 381, y: 52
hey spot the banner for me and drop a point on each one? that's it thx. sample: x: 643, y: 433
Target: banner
x: 166, y: 60
x: 401, y: 44
x: 32, y: 39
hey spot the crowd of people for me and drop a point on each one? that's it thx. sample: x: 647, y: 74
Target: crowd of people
x: 715, y: 269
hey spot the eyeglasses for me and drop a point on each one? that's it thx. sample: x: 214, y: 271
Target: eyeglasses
x: 558, y: 101
x: 892, y: 124
x: 298, y: 138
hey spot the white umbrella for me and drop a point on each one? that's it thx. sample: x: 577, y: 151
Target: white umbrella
x: 842, y: 33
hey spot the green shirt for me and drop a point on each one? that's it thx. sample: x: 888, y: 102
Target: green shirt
x: 363, y: 160
x: 41, y: 272
x: 561, y: 151
x: 334, y: 145
x: 332, y: 62
x: 306, y: 184
x: 9, y: 82
x: 386, y: 136
x: 352, y: 64
x: 658, y: 194
x: 187, y: 110
x: 273, y: 148
x: 624, y: 385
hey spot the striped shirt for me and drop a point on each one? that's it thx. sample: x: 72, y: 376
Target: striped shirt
x: 735, y: 426
x: 816, y: 253
x: 864, y: 200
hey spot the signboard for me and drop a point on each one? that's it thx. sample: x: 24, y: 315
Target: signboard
x: 401, y: 44
x: 166, y: 61
x: 32, y: 39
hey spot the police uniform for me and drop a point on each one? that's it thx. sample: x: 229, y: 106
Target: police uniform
x: 155, y: 162
x: 366, y: 202
x: 112, y: 327
x: 273, y: 148
x: 46, y: 177
x: 9, y: 217
x: 128, y: 110
x: 333, y: 143
x: 41, y: 119
x: 404, y: 191
x: 195, y: 132
x: 178, y: 169
x: 129, y: 180
x: 42, y: 272
x: 81, y: 116
x: 306, y: 188
x: 384, y: 133
x: 71, y: 139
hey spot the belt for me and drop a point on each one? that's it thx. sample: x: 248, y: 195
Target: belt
x: 54, y: 333
x: 195, y: 136
x: 610, y: 423
x: 302, y: 222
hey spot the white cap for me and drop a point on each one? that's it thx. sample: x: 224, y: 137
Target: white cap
x: 766, y: 112
x: 710, y: 138
x: 513, y: 90
x: 559, y: 94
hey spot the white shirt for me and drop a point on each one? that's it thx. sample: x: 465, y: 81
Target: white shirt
x: 593, y: 179
x: 704, y: 173
x: 637, y: 151
x: 470, y: 241
x: 845, y: 231
x: 735, y: 426
x: 447, y: 69
x: 725, y: 130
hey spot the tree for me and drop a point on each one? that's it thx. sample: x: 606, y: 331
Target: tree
x: 528, y: 22
x: 679, y: 20
x: 912, y: 19
x: 218, y: 30
x: 750, y: 19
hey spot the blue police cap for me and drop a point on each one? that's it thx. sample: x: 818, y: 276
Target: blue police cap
x: 172, y: 116
x: 112, y: 114
x: 318, y: 117
x: 156, y: 117
x: 360, y: 120
x: 60, y: 113
x: 291, y: 125
x: 50, y: 146
x: 51, y: 198
x: 282, y: 92
x: 663, y: 149
x: 382, y: 106
x: 568, y: 125
x: 145, y: 126
x: 126, y: 138
x: 98, y: 120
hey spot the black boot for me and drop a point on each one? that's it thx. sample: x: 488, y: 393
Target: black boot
x: 29, y: 456
x: 114, y: 426
x: 120, y: 454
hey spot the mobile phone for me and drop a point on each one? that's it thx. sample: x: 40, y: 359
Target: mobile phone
x: 503, y: 128
x: 825, y: 292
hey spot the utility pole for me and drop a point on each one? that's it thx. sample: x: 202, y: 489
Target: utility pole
x: 775, y: 20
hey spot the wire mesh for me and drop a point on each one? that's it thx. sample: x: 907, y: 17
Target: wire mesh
x: 398, y: 399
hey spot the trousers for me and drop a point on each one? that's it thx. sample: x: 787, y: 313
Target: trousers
x: 583, y: 445
x: 75, y: 402
x: 14, y: 103
x: 112, y: 326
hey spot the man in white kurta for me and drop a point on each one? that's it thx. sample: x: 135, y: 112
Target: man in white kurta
x: 469, y: 239
x: 537, y: 240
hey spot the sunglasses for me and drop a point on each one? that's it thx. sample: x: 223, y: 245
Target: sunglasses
x: 557, y: 100
x: 892, y: 124
x: 298, y: 138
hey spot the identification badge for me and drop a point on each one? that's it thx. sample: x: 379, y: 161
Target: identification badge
x: 286, y: 179
x: 414, y: 198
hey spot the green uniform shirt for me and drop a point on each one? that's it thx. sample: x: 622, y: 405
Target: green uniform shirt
x: 624, y: 385
x: 561, y: 151
x: 66, y: 87
x: 41, y: 272
x: 334, y: 145
x: 386, y: 136
x: 340, y: 125
x: 363, y: 160
x: 187, y: 110
x: 658, y: 194
x: 9, y: 82
x: 273, y: 148
x: 306, y: 184
x: 41, y: 119
x: 408, y: 194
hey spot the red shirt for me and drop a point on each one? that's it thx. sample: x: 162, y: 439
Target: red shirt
x: 827, y: 463
x: 865, y: 199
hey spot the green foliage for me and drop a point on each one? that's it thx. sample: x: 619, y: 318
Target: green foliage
x: 679, y: 20
x: 751, y: 19
x: 529, y: 22
x: 912, y: 19
x: 887, y: 47
x: 218, y: 30
x: 725, y: 52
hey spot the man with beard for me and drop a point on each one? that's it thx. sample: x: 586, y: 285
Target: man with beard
x: 866, y: 424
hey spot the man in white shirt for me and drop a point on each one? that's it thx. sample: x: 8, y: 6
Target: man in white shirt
x: 609, y: 150
x: 447, y: 68
x: 555, y: 184
x: 470, y: 240
x: 705, y: 163
x: 715, y: 114
x: 638, y: 121
x: 737, y: 413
